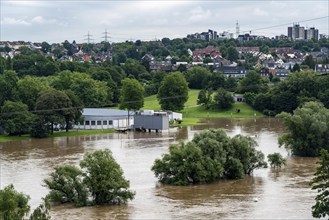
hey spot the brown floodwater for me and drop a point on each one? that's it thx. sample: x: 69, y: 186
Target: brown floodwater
x: 281, y: 194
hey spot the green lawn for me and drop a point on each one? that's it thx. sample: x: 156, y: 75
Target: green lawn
x: 192, y: 113
x: 200, y: 112
x: 5, y: 138
x: 81, y: 132
x: 151, y: 102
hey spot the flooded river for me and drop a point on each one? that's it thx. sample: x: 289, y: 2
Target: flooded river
x: 283, y: 194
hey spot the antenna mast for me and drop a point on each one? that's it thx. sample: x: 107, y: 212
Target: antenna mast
x: 237, y: 29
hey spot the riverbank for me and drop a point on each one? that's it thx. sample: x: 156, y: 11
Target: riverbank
x: 6, y: 138
x: 192, y: 115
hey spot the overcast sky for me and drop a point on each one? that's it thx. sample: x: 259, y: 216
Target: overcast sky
x: 57, y: 21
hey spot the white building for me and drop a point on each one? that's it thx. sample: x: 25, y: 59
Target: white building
x: 105, y: 118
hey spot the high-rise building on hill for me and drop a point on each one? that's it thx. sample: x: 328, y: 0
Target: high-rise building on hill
x: 297, y: 32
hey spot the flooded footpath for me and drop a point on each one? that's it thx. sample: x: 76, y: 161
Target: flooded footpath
x: 281, y: 194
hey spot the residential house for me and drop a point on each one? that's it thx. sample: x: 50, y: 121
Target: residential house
x: 209, y: 51
x: 321, y: 68
x: 265, y: 72
x: 251, y: 50
x: 148, y: 57
x: 221, y: 61
x: 232, y: 71
x: 269, y: 64
x: 161, y: 65
x: 281, y: 73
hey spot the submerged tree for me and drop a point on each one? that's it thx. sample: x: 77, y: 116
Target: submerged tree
x: 210, y: 156
x: 99, y: 179
x: 104, y: 178
x: 65, y: 184
x: 307, y: 129
x: 276, y: 160
x: 321, y: 183
x: 13, y: 205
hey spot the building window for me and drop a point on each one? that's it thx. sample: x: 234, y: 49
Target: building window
x: 99, y: 122
x: 110, y: 122
x: 92, y: 122
x: 87, y: 122
x: 104, y: 122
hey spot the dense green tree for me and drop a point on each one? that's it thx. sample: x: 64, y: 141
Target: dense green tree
x: 198, y: 77
x: 309, y: 61
x: 205, y: 98
x: 40, y: 128
x: 231, y: 84
x: 134, y: 68
x: 13, y: 205
x: 56, y: 108
x: 41, y: 212
x: 2, y: 65
x: 307, y: 129
x: 210, y: 156
x: 66, y: 186
x: 276, y: 160
x: 244, y: 149
x: 29, y: 89
x: 173, y: 92
x: 232, y: 53
x: 222, y: 99
x: 296, y: 68
x: 104, y: 178
x: 185, y: 164
x: 263, y: 103
x: 217, y: 80
x: 93, y: 93
x: 132, y: 95
x: 45, y: 47
x: 320, y: 182
x: 251, y: 83
x: 15, y: 118
x: 8, y: 86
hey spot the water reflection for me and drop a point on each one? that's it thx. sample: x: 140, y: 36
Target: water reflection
x: 281, y: 193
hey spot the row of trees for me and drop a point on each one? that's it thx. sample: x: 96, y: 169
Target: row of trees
x: 38, y: 105
x: 287, y: 95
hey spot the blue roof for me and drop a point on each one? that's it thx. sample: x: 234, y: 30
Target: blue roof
x: 105, y: 112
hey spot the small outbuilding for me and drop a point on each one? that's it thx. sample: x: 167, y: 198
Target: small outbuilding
x: 150, y: 120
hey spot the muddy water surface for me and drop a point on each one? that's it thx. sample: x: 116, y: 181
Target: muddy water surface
x: 283, y: 194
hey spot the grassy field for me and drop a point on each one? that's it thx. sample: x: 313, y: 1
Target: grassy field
x: 151, y: 102
x: 6, y: 138
x: 81, y: 132
x: 192, y: 113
